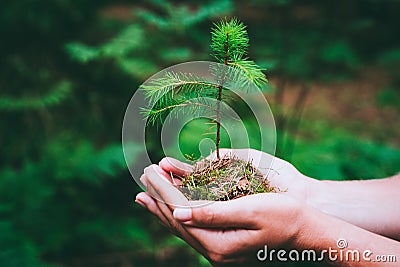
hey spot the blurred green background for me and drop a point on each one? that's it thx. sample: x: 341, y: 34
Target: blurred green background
x: 69, y: 68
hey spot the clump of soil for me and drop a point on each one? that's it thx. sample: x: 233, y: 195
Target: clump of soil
x: 224, y: 179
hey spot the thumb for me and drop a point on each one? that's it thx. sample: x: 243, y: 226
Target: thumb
x: 218, y: 215
x: 175, y: 166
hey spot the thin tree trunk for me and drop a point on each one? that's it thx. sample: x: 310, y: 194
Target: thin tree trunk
x: 219, y: 99
x: 218, y: 136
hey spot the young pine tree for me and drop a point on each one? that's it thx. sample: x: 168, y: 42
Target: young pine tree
x: 212, y: 180
x: 229, y: 43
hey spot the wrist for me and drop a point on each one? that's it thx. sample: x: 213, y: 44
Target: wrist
x: 300, y: 223
x: 307, y: 189
x: 315, y: 193
x: 305, y: 223
x: 318, y: 232
x: 314, y: 224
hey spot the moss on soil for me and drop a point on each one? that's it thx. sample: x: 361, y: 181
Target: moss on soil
x: 224, y: 179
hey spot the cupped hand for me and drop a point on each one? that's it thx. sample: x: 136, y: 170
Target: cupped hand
x: 229, y: 232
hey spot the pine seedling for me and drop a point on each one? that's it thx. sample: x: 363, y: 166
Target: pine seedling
x: 176, y: 91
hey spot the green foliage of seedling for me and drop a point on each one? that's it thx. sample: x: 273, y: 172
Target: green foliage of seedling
x: 174, y: 91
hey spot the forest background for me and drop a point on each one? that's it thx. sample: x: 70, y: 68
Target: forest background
x: 69, y: 68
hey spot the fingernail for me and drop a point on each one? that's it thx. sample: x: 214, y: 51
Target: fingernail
x: 183, y: 215
x: 140, y: 203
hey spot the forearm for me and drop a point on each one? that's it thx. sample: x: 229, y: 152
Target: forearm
x: 343, y: 244
x: 369, y: 204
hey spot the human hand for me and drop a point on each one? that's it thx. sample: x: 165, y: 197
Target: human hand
x: 231, y: 232
x: 224, y: 232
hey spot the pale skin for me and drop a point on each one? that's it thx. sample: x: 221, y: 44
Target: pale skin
x: 310, y: 214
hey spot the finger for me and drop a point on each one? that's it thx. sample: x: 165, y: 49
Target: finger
x: 161, y: 211
x: 170, y: 177
x: 165, y: 175
x: 149, y: 188
x: 164, y: 214
x: 163, y: 189
x: 229, y: 243
x: 202, y: 240
x: 179, y: 229
x: 150, y: 204
x: 174, y: 179
x: 171, y: 165
x: 236, y: 213
x: 195, y: 237
x: 174, y: 227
